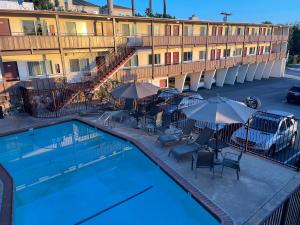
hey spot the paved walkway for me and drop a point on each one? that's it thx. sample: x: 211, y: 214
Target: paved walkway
x: 262, y: 185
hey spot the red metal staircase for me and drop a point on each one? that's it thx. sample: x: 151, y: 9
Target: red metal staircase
x: 115, y: 59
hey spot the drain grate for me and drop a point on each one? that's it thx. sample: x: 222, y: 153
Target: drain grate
x: 113, y: 206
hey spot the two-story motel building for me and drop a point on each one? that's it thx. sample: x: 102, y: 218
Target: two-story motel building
x: 168, y: 52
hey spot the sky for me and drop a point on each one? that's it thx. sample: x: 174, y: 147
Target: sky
x: 276, y: 11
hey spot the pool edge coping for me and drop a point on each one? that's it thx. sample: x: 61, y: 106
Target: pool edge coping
x: 214, y: 210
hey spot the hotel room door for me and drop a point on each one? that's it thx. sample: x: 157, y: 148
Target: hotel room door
x: 4, y: 27
x: 11, y: 72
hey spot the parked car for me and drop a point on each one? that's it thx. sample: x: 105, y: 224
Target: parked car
x: 293, y: 95
x: 172, y: 108
x: 269, y: 132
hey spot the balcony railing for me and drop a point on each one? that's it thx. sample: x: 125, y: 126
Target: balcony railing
x: 251, y: 38
x: 216, y: 39
x: 235, y: 39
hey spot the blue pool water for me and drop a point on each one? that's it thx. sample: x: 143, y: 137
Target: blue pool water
x: 71, y: 173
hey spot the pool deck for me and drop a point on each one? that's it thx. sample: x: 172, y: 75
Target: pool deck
x: 263, y: 184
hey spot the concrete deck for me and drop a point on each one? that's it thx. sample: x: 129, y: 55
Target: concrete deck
x: 261, y: 188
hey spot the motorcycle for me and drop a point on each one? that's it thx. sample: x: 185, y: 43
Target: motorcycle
x: 252, y: 102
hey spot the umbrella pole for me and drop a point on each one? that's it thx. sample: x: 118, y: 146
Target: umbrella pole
x: 217, y: 142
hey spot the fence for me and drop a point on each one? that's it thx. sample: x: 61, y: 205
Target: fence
x: 288, y: 213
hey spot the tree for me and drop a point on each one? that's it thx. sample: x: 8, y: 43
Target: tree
x: 43, y: 5
x: 294, y: 39
x: 267, y: 22
x: 165, y: 9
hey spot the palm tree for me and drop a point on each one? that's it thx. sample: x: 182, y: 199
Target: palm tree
x: 150, y: 8
x: 132, y: 8
x: 165, y: 9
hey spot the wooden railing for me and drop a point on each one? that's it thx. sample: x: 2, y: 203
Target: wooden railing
x: 23, y: 42
x: 192, y: 67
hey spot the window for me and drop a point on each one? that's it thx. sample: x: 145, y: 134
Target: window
x: 77, y: 65
x: 156, y: 59
x: 41, y: 27
x: 226, y: 53
x: 203, y: 31
x: 269, y: 31
x: 39, y: 68
x: 267, y: 49
x: 156, y: 30
x: 187, y: 30
x: 125, y: 30
x: 187, y: 56
x: 28, y: 27
x: 71, y: 28
x: 237, y: 52
x: 252, y: 51
x: 239, y: 31
x: 254, y: 31
x: 212, y: 54
x: 228, y: 30
x: 134, y: 61
x: 202, y: 55
x: 149, y: 32
x: 220, y: 31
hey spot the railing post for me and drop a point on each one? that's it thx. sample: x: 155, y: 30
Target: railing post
x: 247, y: 134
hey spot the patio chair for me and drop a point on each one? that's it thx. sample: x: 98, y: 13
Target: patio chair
x: 153, y: 124
x: 186, y: 134
x: 200, y: 143
x: 203, y: 159
x: 232, y: 160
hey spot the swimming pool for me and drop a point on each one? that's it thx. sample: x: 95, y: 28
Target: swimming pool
x: 72, y: 173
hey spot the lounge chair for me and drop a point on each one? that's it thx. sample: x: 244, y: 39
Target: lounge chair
x: 200, y: 143
x: 232, y: 160
x: 186, y: 134
x: 203, y: 159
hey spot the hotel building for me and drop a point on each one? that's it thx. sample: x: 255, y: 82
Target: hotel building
x: 166, y: 52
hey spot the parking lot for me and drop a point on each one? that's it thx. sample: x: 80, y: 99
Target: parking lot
x: 272, y: 93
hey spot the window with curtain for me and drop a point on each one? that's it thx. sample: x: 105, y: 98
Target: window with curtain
x: 252, y: 51
x: 28, y: 27
x: 77, y: 65
x: 40, y: 68
x: 187, y: 56
x: 41, y: 27
x: 202, y: 55
x: 156, y: 59
x: 134, y: 61
x: 203, y: 31
x: 125, y: 30
x: 187, y: 30
x: 71, y: 28
x: 267, y: 49
x: 237, y: 52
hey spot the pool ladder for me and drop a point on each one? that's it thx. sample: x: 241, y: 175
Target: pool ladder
x: 105, y: 119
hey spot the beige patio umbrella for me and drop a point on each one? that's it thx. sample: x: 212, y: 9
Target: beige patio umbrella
x: 219, y: 110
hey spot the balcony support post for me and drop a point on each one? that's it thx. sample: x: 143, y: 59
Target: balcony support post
x: 179, y: 82
x: 208, y: 78
x: 241, y: 76
x: 194, y: 80
x: 115, y: 34
x: 259, y: 72
x: 182, y: 45
x: 251, y: 72
x: 1, y: 69
x: 267, y: 70
x: 220, y: 76
x: 152, y: 47
x: 232, y: 75
x: 61, y: 50
x: 278, y: 68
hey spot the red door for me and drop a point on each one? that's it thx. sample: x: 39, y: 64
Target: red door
x: 220, y: 31
x: 212, y: 54
x: 175, y: 57
x: 163, y: 83
x: 245, y: 52
x: 168, y: 58
x: 4, y: 27
x: 176, y: 30
x: 218, y: 54
x: 11, y: 72
x: 214, y: 31
x: 168, y: 30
